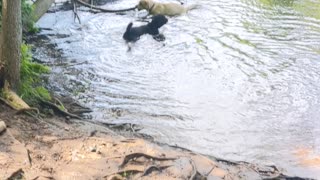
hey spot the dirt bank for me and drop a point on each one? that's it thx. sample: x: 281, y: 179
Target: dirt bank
x: 54, y: 148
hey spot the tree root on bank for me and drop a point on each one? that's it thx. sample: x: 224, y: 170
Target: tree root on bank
x: 132, y: 156
x: 152, y: 168
x: 57, y: 108
x: 194, y: 170
x: 12, y: 100
x: 195, y: 174
x: 16, y: 175
x: 19, y: 110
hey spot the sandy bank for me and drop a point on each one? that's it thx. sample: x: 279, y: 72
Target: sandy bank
x: 58, y: 149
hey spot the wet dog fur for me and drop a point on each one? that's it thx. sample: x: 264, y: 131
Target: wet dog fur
x: 168, y: 9
x: 133, y: 34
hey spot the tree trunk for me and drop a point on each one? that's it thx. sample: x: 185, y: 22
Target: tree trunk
x: 1, y: 65
x: 40, y: 8
x: 11, y: 41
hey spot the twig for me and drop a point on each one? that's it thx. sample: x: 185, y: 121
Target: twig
x: 104, y: 10
x: 68, y: 138
x: 152, y: 168
x: 23, y: 110
x: 207, y: 174
x: 29, y: 157
x: 75, y: 13
x: 17, y: 175
x: 114, y: 157
x: 227, y: 162
x: 60, y: 103
x: 194, y: 170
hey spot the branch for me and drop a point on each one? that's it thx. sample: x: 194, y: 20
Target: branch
x: 129, y: 157
x: 104, y: 10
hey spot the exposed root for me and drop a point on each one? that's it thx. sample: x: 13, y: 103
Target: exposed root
x: 75, y: 12
x: 19, y: 110
x: 23, y: 110
x: 29, y: 157
x: 196, y: 175
x: 152, y: 168
x: 194, y: 170
x: 227, y: 162
x: 17, y: 175
x: 57, y: 108
x: 129, y: 157
x: 13, y: 101
x: 207, y: 174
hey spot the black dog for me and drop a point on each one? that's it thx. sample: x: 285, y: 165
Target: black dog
x: 133, y: 34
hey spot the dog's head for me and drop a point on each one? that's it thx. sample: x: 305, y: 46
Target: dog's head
x: 158, y: 21
x: 144, y: 4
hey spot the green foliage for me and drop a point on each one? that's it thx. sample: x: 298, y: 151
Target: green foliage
x: 27, y: 17
x: 30, y: 72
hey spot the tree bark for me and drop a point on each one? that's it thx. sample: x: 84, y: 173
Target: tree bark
x: 11, y: 41
x: 1, y: 65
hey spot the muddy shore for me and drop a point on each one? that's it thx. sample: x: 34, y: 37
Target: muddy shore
x: 56, y: 148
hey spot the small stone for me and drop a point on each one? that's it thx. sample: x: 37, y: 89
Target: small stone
x: 94, y: 149
x: 3, y: 126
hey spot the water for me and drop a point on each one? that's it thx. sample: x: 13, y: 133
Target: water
x: 234, y: 79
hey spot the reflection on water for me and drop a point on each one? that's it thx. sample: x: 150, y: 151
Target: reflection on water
x: 234, y: 79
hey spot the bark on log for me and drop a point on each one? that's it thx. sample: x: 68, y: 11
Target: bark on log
x: 40, y: 8
x: 1, y: 66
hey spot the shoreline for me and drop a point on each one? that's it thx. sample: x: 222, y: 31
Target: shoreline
x: 56, y: 148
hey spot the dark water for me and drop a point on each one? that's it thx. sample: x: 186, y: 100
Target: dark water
x: 235, y: 79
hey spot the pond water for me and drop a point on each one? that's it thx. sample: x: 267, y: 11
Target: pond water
x: 234, y: 79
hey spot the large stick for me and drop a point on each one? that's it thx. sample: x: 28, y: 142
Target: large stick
x: 104, y: 10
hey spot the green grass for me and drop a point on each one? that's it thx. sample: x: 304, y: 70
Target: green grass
x: 31, y: 82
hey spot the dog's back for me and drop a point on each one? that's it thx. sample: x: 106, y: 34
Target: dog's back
x: 133, y: 34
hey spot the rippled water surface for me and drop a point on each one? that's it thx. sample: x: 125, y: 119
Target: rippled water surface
x: 237, y: 79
